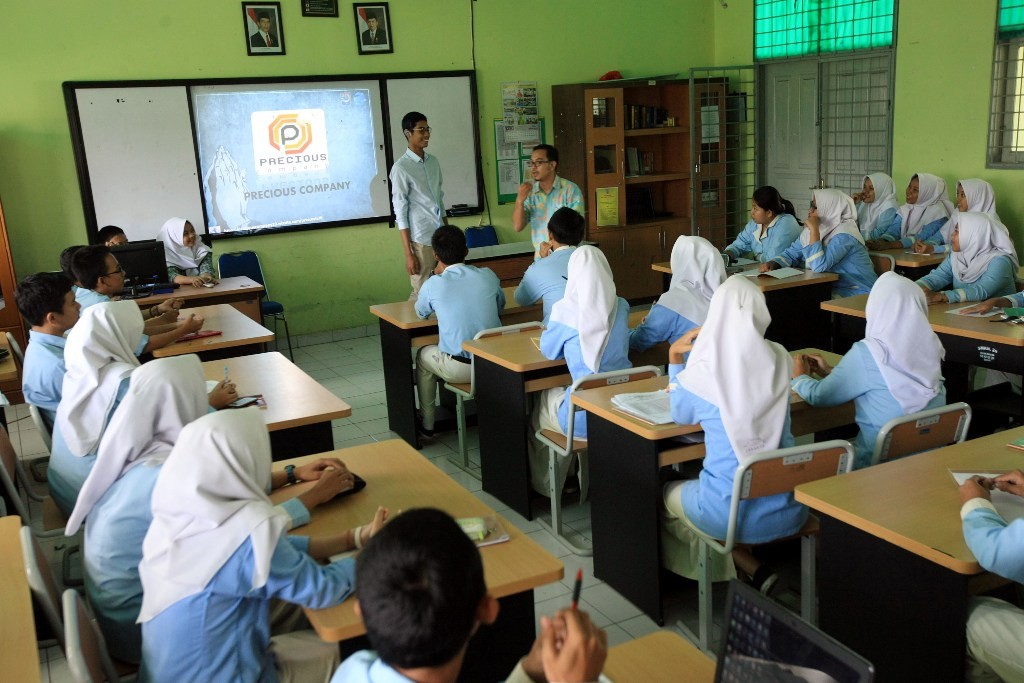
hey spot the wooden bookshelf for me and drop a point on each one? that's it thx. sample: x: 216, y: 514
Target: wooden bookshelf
x: 10, y: 318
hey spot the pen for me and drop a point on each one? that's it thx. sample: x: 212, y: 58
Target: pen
x: 577, y: 587
x: 226, y: 374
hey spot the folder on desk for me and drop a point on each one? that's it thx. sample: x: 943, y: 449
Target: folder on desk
x: 653, y: 407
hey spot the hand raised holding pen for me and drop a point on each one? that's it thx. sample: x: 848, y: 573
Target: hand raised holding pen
x: 581, y: 653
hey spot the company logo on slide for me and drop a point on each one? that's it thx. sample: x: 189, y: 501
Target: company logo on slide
x: 293, y: 141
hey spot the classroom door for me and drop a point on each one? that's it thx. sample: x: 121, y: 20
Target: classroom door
x: 790, y: 130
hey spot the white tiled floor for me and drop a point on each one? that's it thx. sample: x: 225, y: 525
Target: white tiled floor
x: 352, y: 369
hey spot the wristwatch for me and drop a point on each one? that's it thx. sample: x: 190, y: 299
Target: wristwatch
x: 290, y: 471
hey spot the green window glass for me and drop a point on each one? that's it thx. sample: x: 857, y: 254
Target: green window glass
x: 1011, y: 19
x: 784, y: 28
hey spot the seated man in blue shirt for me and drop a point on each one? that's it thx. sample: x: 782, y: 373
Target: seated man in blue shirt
x: 545, y: 278
x: 48, y: 305
x: 422, y: 596
x: 466, y: 300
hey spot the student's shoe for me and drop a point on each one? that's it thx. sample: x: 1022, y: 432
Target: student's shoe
x: 764, y: 580
x: 423, y: 431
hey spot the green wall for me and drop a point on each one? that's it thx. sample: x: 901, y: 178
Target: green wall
x: 327, y: 278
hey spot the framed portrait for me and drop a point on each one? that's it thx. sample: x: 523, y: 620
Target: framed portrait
x: 319, y: 8
x: 264, y: 32
x: 374, y: 32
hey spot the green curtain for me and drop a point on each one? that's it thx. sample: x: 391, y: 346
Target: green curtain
x: 791, y: 28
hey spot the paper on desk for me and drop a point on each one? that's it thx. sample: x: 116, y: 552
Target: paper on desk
x: 650, y: 406
x: 536, y: 342
x: 1009, y: 506
x: 778, y: 273
x: 743, y: 261
x: 957, y: 311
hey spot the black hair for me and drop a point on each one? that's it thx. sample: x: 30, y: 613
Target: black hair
x: 40, y: 294
x: 65, y: 261
x: 262, y: 15
x: 89, y: 264
x: 449, y: 243
x: 419, y: 582
x: 410, y: 120
x: 567, y: 226
x: 552, y: 152
x: 107, y: 233
x: 373, y: 15
x: 769, y: 199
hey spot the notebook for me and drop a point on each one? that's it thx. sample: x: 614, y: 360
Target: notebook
x: 778, y: 273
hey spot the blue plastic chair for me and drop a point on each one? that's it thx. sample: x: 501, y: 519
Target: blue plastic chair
x: 247, y: 263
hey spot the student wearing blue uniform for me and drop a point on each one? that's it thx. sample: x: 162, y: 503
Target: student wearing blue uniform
x: 831, y: 242
x: 876, y: 205
x: 545, y: 278
x: 49, y: 306
x: 111, y: 236
x: 735, y: 384
x: 422, y: 596
x: 921, y: 218
x: 697, y: 271
x: 216, y: 554
x: 466, y: 300
x: 772, y: 227
x: 896, y: 369
x: 189, y: 261
x: 994, y: 627
x: 972, y: 194
x: 66, y: 256
x: 589, y: 328
x: 982, y: 265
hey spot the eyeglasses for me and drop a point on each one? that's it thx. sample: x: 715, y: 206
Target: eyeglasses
x: 814, y: 206
x: 421, y: 129
x: 538, y: 162
x: 119, y: 270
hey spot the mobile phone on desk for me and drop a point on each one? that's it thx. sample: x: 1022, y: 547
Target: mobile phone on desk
x: 243, y: 402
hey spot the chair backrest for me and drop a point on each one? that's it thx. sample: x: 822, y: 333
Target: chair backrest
x: 9, y: 473
x: 246, y: 263
x: 40, y: 580
x: 603, y: 379
x: 883, y: 263
x: 15, y: 347
x: 922, y: 431
x: 44, y: 429
x: 518, y: 328
x: 85, y: 648
x: 780, y: 471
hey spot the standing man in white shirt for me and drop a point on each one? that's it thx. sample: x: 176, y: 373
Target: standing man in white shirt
x: 418, y: 200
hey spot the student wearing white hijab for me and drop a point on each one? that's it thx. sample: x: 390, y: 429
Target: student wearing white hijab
x: 894, y: 371
x: 189, y: 261
x: 589, y: 328
x: 735, y: 384
x: 831, y: 242
x: 972, y: 194
x: 216, y: 554
x: 876, y: 205
x: 982, y: 265
x: 924, y: 214
x: 697, y: 271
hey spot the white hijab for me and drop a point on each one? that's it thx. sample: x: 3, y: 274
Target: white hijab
x: 175, y: 251
x: 697, y: 271
x: 906, y: 350
x: 589, y: 303
x: 980, y: 198
x: 210, y: 497
x: 100, y: 352
x: 837, y: 215
x: 932, y: 204
x: 164, y: 396
x: 885, y: 198
x: 735, y: 368
x: 981, y: 240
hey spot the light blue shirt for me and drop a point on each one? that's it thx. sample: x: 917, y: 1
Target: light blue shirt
x: 90, y: 297
x: 42, y: 376
x: 466, y: 299
x: 858, y: 378
x: 222, y: 634
x: 416, y: 195
x: 1016, y: 299
x: 706, y: 500
x: 998, y: 280
x: 659, y: 325
x: 561, y: 341
x: 781, y: 234
x: 844, y: 255
x: 998, y: 546
x: 366, y: 666
x: 545, y: 279
x: 883, y: 226
x: 891, y: 233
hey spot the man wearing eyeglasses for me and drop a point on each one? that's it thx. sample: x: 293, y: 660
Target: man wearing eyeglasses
x: 418, y: 200
x: 540, y: 198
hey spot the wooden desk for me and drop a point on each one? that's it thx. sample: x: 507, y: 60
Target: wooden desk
x: 401, y: 331
x: 893, y: 566
x: 508, y: 261
x: 8, y: 366
x: 18, y: 648
x: 240, y: 292
x: 915, y: 266
x: 793, y: 303
x: 299, y: 410
x: 660, y: 657
x: 626, y: 492
x: 240, y: 335
x: 400, y: 478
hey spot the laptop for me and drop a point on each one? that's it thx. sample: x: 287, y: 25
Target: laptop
x: 767, y: 643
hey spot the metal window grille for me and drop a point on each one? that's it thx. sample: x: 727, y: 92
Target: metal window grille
x: 1006, y: 118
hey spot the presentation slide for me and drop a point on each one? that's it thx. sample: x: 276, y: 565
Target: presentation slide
x: 286, y: 155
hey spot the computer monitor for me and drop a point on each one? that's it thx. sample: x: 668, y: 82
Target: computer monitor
x: 144, y: 262
x: 763, y: 641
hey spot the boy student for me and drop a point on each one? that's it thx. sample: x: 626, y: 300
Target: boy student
x: 418, y: 200
x: 545, y: 279
x: 466, y: 300
x: 65, y: 266
x: 540, y: 198
x: 48, y: 304
x: 111, y: 236
x: 421, y: 595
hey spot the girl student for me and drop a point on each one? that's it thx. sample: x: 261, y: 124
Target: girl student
x: 189, y: 261
x: 972, y: 194
x: 831, y: 242
x: 772, y: 227
x: 925, y: 212
x: 697, y: 271
x: 734, y: 383
x: 876, y: 204
x: 894, y: 371
x: 982, y: 265
x: 216, y: 554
